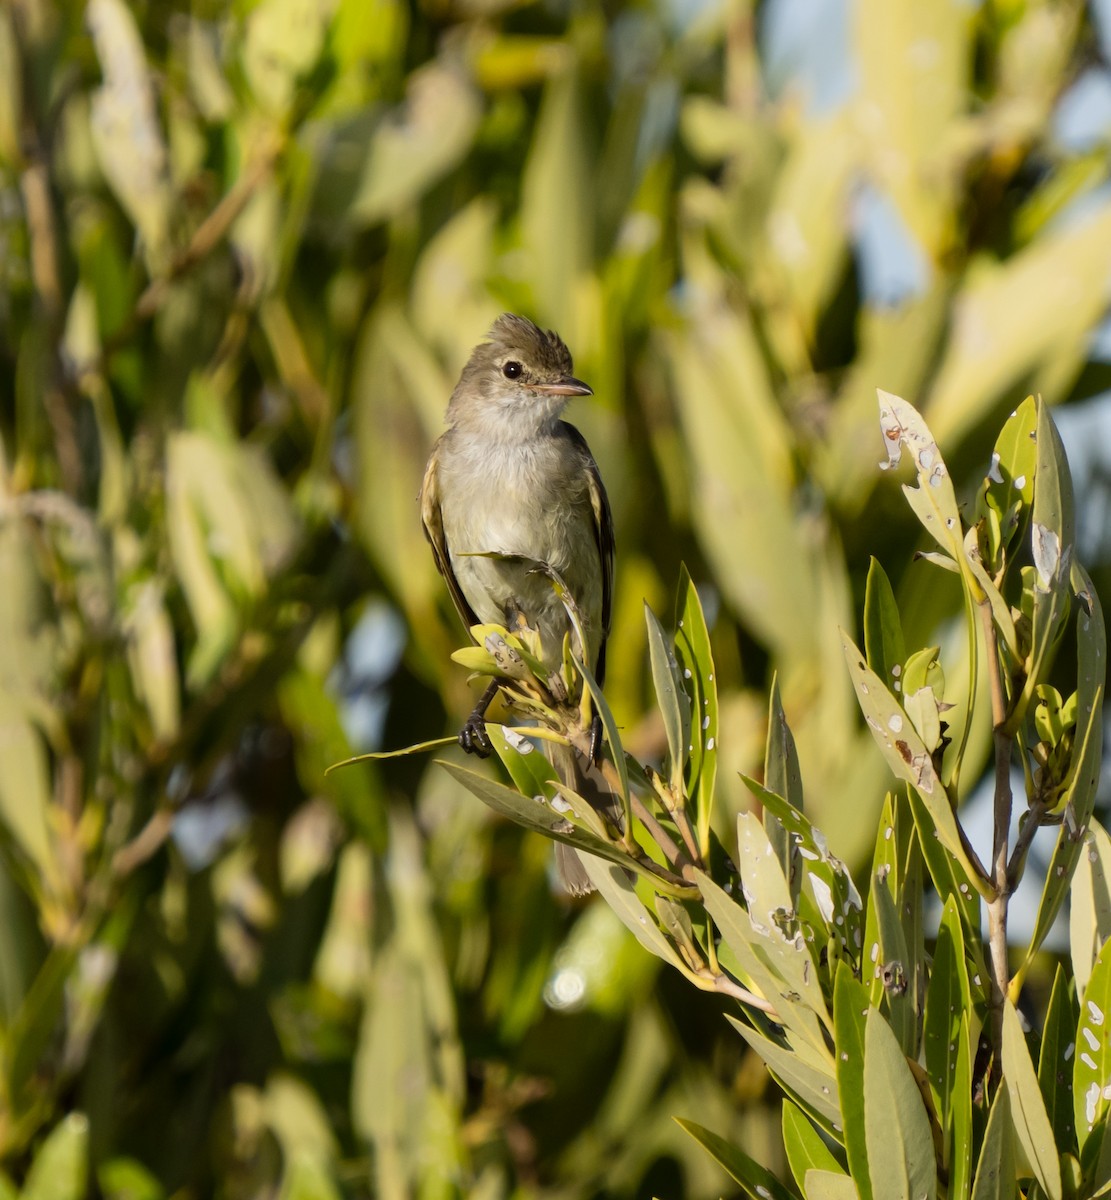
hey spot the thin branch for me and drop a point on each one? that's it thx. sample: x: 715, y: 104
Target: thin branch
x: 207, y: 236
x: 730, y: 987
x: 659, y: 835
x: 997, y: 908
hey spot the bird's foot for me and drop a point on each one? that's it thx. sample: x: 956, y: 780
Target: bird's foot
x: 473, y: 737
x: 595, y: 740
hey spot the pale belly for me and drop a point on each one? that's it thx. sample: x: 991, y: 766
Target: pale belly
x: 495, y: 554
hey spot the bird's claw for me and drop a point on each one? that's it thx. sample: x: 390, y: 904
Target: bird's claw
x: 595, y: 740
x: 474, y: 739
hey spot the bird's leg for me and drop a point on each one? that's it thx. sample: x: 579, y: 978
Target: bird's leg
x: 473, y: 736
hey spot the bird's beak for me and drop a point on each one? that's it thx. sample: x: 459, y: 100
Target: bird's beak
x: 564, y: 387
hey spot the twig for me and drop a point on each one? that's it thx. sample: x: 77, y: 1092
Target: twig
x: 659, y: 835
x: 730, y: 987
x: 997, y: 907
x: 207, y: 236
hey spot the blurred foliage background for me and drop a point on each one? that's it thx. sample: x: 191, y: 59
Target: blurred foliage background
x: 244, y: 252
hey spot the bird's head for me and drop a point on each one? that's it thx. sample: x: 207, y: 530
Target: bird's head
x: 521, y: 371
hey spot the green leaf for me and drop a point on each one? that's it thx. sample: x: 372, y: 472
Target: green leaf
x: 773, y: 916
x: 828, y: 1185
x: 806, y: 1151
x: 1052, y: 536
x: 1008, y: 487
x: 897, y: 1129
x: 960, y: 1129
x: 996, y: 1170
x: 807, y: 1078
x: 1090, y: 903
x: 832, y: 896
x: 1091, y: 1072
x: 609, y: 727
x: 405, y: 154
x: 903, y: 750
x: 948, y: 999
x: 1054, y: 1065
x: 759, y: 966
x: 946, y: 871
x: 534, y: 814
x: 934, y: 501
x: 530, y: 770
x: 1035, y: 1134
x: 1083, y: 774
x: 782, y: 776
x: 883, y: 630
x: 672, y: 699
x: 755, y: 1180
x: 894, y: 970
x: 61, y: 1164
x: 618, y: 892
x: 850, y: 1009
x: 692, y: 646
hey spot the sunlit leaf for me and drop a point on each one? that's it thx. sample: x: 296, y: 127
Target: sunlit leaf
x: 995, y: 1172
x: 1035, y: 1134
x: 897, y: 1130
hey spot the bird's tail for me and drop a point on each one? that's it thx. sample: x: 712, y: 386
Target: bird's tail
x: 587, y: 782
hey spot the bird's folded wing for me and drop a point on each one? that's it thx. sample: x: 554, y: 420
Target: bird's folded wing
x: 432, y: 520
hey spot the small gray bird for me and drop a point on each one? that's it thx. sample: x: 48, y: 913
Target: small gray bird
x: 508, y: 478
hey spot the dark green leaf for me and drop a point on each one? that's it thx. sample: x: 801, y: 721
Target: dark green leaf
x: 1054, y: 1065
x: 755, y: 1180
x: 692, y: 646
x: 996, y: 1170
x: 883, y: 630
x: 673, y: 701
x: 850, y: 1009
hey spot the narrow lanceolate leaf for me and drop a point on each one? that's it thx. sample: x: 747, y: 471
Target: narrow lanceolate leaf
x: 959, y: 1158
x: 850, y: 1009
x: 773, y: 916
x: 947, y: 872
x: 828, y: 892
x: 1052, y: 538
x: 948, y: 998
x: 897, y: 1129
x: 748, y: 950
x: 533, y: 814
x: 782, y: 776
x: 755, y: 1180
x: 934, y: 501
x: 883, y: 630
x: 1055, y: 1064
x: 903, y: 750
x: 807, y: 1078
x: 617, y: 891
x: 1090, y: 903
x: 1009, y: 486
x: 1091, y: 1073
x: 806, y: 1151
x: 995, y: 1172
x: 1031, y: 1121
x: 692, y: 647
x: 673, y: 702
x: 1083, y: 776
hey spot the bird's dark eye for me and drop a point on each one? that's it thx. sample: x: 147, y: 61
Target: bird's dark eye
x: 511, y: 370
